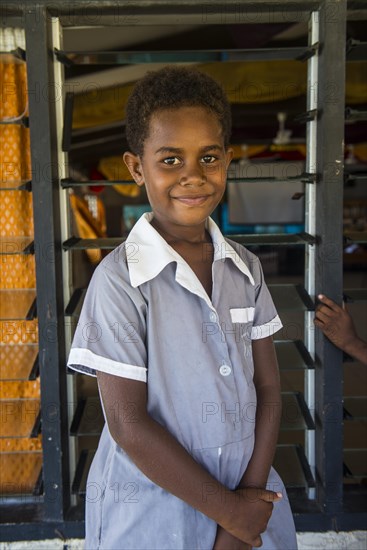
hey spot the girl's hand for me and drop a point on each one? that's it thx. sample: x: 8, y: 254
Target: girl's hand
x: 226, y: 541
x: 252, y: 513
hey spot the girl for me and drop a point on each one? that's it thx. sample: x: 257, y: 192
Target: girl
x: 177, y: 326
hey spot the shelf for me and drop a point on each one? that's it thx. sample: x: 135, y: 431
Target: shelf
x: 355, y: 463
x: 355, y: 408
x: 17, y: 304
x: 291, y: 297
x: 23, y: 185
x: 295, y: 413
x: 75, y: 304
x: 70, y: 58
x: 356, y: 50
x: 18, y: 361
x: 293, y: 355
x: 18, y: 121
x: 308, y: 116
x: 16, y: 245
x: 351, y: 179
x: 355, y: 294
x: 88, y: 418
x: 20, y: 473
x: 69, y: 182
x: 291, y: 464
x: 274, y: 239
x: 14, y: 56
x: 107, y: 243
x: 19, y: 418
x: 81, y: 473
x: 303, y: 178
x: 359, y: 237
x: 355, y: 115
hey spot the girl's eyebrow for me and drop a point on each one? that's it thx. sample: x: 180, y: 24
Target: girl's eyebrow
x: 177, y: 150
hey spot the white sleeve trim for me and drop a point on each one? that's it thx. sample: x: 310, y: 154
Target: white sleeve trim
x: 263, y: 331
x: 86, y: 358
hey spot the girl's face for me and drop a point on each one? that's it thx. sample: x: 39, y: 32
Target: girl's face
x: 183, y: 168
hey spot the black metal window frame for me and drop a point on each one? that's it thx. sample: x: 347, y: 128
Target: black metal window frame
x: 53, y: 514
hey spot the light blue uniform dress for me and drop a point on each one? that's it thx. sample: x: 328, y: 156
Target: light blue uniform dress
x: 147, y: 317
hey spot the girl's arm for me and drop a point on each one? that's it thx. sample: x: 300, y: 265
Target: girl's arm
x: 268, y: 413
x: 163, y: 460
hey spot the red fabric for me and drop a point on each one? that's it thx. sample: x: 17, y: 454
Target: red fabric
x: 96, y: 175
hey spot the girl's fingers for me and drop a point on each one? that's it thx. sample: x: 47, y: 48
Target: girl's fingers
x: 257, y: 542
x: 269, y: 496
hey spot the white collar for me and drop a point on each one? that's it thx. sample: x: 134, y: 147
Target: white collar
x: 148, y: 254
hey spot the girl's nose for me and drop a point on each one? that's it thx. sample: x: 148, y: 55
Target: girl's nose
x: 193, y: 175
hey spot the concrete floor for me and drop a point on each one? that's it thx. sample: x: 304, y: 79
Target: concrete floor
x: 356, y: 540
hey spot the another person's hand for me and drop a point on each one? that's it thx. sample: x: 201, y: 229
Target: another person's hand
x: 337, y: 325
x: 335, y: 322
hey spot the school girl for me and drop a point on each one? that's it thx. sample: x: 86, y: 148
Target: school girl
x: 177, y: 326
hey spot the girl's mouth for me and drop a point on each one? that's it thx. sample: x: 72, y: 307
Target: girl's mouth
x: 192, y: 200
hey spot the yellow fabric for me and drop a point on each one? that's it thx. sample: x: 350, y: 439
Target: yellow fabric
x: 356, y: 82
x: 13, y: 90
x: 100, y: 106
x: 16, y: 220
x: 249, y: 151
x: 299, y: 147
x: 19, y: 471
x: 360, y: 151
x: 114, y: 168
x: 251, y: 83
x: 18, y: 390
x: 88, y: 227
x: 17, y: 445
x: 260, y: 82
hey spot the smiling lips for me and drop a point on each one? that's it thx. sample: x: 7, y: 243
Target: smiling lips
x: 192, y: 200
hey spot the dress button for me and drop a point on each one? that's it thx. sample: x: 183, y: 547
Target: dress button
x: 225, y: 370
x: 213, y: 317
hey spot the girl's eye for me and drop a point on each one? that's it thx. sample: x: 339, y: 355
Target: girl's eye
x: 209, y: 159
x: 171, y: 161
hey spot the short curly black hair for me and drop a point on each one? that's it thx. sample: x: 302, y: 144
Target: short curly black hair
x: 170, y: 88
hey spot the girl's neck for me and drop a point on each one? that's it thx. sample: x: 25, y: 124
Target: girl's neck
x: 181, y: 234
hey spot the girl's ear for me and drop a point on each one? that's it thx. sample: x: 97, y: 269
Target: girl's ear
x: 229, y: 156
x: 134, y: 166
